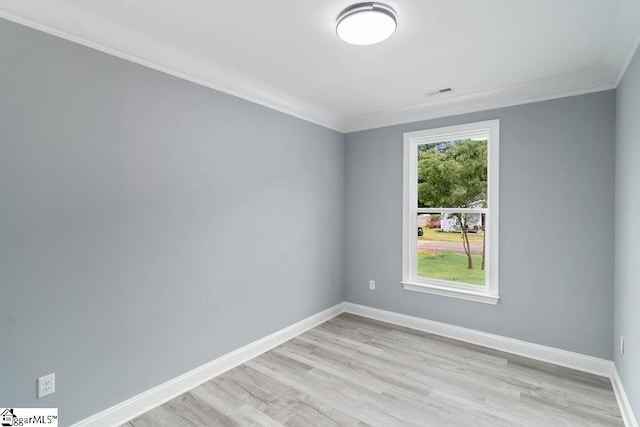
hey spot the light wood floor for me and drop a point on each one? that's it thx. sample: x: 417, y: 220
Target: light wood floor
x: 355, y: 371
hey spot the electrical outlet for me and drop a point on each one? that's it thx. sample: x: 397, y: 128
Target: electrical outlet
x: 46, y: 385
x: 621, y: 345
x: 372, y: 284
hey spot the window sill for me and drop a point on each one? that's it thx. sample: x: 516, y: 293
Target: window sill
x: 453, y: 293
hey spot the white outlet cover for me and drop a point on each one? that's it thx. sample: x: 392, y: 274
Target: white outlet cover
x: 621, y: 345
x: 46, y: 385
x: 372, y: 284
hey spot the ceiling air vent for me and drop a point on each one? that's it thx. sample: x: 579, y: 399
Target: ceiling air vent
x: 438, y: 91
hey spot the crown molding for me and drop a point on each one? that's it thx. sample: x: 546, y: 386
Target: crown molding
x: 624, y: 40
x: 63, y: 19
x: 589, y: 81
x: 629, y: 58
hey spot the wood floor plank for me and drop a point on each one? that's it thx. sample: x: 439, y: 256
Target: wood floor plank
x: 353, y: 371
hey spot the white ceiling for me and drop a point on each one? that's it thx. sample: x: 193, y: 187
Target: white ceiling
x: 285, y: 54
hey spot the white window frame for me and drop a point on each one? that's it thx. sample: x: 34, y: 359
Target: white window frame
x: 410, y: 280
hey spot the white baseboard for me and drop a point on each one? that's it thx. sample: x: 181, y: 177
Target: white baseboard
x: 623, y: 401
x: 581, y: 362
x: 137, y: 405
x: 543, y: 353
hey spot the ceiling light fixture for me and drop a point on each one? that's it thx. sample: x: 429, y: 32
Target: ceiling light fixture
x: 366, y: 23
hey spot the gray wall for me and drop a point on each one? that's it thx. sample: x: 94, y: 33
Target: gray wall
x: 556, y: 225
x: 149, y: 225
x: 627, y: 283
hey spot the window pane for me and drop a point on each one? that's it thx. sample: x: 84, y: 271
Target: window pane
x: 451, y: 247
x: 452, y: 174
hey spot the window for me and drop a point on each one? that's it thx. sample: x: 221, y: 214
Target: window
x: 450, y: 223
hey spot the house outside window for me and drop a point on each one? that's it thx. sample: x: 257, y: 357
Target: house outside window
x: 450, y: 212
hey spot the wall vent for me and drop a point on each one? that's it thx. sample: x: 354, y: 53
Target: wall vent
x: 438, y: 91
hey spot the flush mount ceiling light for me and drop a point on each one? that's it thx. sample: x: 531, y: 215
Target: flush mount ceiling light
x: 366, y: 23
